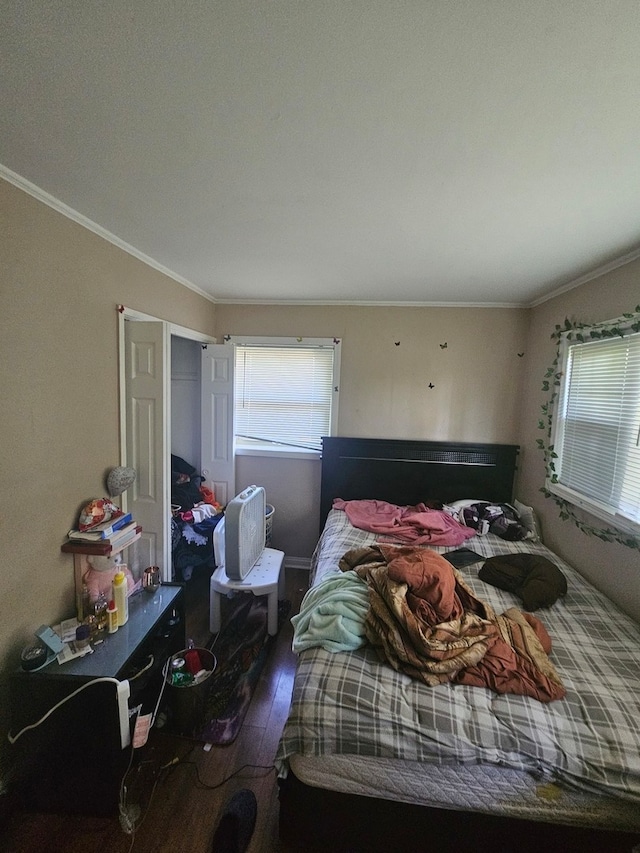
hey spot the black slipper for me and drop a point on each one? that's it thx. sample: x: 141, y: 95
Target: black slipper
x: 237, y: 823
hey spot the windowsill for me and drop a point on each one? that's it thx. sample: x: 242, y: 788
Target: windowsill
x: 269, y: 451
x: 619, y: 522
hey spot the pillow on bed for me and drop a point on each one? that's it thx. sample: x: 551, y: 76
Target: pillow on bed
x: 536, y: 580
x: 455, y: 509
x: 486, y: 517
x: 529, y: 520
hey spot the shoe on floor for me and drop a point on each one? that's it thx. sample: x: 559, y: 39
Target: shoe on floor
x: 237, y: 823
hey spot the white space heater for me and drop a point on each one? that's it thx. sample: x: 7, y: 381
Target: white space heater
x: 243, y: 564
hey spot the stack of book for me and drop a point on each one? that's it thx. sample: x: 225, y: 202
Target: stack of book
x: 113, y: 535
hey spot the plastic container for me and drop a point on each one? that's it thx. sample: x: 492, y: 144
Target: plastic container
x: 83, y: 633
x: 112, y: 617
x: 120, y: 593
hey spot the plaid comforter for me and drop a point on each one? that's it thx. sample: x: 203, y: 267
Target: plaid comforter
x: 352, y: 703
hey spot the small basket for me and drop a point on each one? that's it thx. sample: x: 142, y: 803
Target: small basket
x: 269, y: 511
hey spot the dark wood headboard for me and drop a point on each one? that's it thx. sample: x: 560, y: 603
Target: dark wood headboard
x: 407, y: 472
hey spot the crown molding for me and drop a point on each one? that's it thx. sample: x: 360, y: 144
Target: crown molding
x: 589, y: 276
x: 60, y: 207
x: 342, y: 303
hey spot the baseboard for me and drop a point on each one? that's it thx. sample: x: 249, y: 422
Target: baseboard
x: 297, y: 563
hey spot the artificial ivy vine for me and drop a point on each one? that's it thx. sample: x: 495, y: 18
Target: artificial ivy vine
x: 581, y: 332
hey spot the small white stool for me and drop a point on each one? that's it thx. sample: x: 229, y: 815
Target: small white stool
x: 265, y: 578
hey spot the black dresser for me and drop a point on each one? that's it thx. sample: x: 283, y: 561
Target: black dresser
x: 73, y: 761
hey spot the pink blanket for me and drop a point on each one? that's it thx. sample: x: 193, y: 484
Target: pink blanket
x: 416, y: 525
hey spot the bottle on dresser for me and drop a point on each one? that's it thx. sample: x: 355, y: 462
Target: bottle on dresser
x: 112, y: 617
x: 120, y: 593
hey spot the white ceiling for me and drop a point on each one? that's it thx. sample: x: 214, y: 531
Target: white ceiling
x: 418, y: 151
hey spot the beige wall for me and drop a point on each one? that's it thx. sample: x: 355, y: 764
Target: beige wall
x: 293, y: 489
x: 384, y: 388
x: 613, y: 568
x: 59, y: 423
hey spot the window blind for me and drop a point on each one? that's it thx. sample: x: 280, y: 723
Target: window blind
x: 598, y: 440
x: 283, y: 394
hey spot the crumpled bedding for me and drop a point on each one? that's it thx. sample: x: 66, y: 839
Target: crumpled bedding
x: 419, y: 524
x: 354, y: 704
x: 426, y: 622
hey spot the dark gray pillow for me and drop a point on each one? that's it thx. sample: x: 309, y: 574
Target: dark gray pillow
x: 533, y: 578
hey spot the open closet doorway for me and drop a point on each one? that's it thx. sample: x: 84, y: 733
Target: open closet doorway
x: 176, y: 397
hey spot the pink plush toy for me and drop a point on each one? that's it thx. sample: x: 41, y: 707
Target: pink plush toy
x: 99, y: 575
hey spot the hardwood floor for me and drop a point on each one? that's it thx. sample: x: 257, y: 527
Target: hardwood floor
x: 178, y: 785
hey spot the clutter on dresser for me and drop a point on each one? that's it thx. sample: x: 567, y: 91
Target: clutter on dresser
x: 151, y: 579
x: 98, y: 541
x: 104, y: 581
x: 105, y: 525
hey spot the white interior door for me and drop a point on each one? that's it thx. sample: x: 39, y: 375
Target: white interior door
x: 217, y: 437
x: 146, y: 365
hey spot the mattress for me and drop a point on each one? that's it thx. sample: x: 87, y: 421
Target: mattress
x: 356, y: 725
x: 492, y: 790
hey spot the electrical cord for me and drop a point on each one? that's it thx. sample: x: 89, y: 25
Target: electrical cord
x: 13, y: 738
x: 216, y: 638
x: 180, y: 763
x: 151, y: 660
x: 142, y: 815
x: 165, y: 670
x: 131, y: 825
x: 128, y: 814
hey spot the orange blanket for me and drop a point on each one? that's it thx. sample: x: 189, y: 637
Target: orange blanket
x: 424, y: 620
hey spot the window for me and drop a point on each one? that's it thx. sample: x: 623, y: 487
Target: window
x: 597, y: 427
x: 286, y: 392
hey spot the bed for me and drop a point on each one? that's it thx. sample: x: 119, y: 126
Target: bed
x: 372, y: 759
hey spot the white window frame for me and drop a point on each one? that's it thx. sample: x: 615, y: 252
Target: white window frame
x: 601, y: 510
x: 256, y: 448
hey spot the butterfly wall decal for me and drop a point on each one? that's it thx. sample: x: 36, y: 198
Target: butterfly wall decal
x: 431, y: 385
x: 444, y: 345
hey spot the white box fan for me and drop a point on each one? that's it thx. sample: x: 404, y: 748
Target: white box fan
x: 239, y: 539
